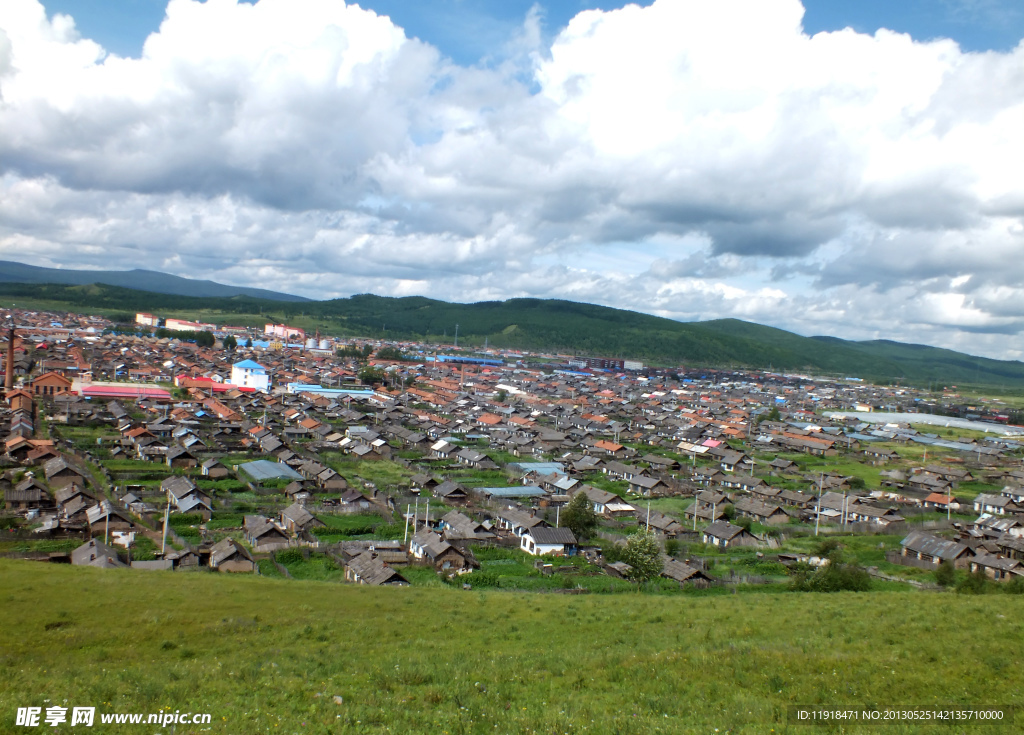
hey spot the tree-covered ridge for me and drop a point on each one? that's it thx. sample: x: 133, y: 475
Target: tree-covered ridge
x: 565, y: 326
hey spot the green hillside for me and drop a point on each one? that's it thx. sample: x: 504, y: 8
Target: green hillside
x: 262, y: 655
x: 141, y: 279
x: 554, y: 325
x: 926, y: 363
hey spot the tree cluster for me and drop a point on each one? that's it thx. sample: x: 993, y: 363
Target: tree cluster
x: 391, y: 353
x: 358, y: 353
x: 838, y: 574
x: 203, y: 339
x: 371, y: 376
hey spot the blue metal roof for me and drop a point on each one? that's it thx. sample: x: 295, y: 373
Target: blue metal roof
x: 515, y: 491
x: 864, y: 437
x: 321, y: 390
x: 545, y: 468
x: 249, y: 365
x: 264, y: 469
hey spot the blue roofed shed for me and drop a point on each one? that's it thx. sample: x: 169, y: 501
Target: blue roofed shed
x: 264, y: 469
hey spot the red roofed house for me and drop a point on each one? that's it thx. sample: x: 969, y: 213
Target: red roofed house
x: 488, y: 419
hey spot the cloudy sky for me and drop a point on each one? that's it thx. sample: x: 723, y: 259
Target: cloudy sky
x: 851, y: 171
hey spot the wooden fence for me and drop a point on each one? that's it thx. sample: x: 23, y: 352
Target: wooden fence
x: 895, y: 557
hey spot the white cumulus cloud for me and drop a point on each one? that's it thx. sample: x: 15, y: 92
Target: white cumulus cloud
x: 841, y: 183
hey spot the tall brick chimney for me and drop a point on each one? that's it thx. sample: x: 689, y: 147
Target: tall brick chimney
x: 9, y: 367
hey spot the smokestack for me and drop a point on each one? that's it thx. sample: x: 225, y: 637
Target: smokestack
x: 9, y: 367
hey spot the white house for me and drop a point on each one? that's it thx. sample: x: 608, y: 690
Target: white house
x: 994, y: 504
x: 557, y: 541
x: 250, y: 374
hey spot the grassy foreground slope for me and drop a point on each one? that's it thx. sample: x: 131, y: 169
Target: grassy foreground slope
x: 270, y: 656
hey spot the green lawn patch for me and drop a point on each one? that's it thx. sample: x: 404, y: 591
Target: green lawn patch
x: 385, y: 474
x: 270, y: 655
x: 319, y: 567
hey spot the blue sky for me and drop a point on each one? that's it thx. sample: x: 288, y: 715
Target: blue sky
x: 471, y: 30
x: 696, y: 159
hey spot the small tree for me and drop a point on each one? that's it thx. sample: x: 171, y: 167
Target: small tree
x: 248, y: 342
x: 672, y: 546
x: 579, y: 516
x: 371, y: 375
x: 230, y: 343
x: 205, y: 339
x: 945, y: 575
x: 642, y: 553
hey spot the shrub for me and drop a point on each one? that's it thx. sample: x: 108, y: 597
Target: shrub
x: 975, y: 583
x: 289, y: 556
x: 672, y: 546
x: 611, y: 553
x: 482, y: 579
x: 945, y: 575
x: 825, y: 547
x: 1014, y: 587
x: 184, y: 519
x: 836, y: 575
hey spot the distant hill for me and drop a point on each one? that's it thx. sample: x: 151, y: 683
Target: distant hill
x: 565, y: 327
x: 143, y: 280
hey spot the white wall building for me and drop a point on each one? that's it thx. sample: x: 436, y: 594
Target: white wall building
x: 250, y: 374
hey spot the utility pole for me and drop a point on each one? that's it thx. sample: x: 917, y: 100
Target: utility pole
x: 405, y: 537
x: 817, y: 517
x: 456, y: 335
x: 167, y: 514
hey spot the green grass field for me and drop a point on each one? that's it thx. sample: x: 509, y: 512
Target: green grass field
x: 383, y: 473
x: 270, y: 656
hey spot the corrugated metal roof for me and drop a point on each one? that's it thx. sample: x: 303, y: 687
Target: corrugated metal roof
x: 264, y: 469
x: 516, y: 491
x: 925, y: 543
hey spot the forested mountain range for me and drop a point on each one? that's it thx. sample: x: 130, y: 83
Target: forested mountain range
x: 559, y: 326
